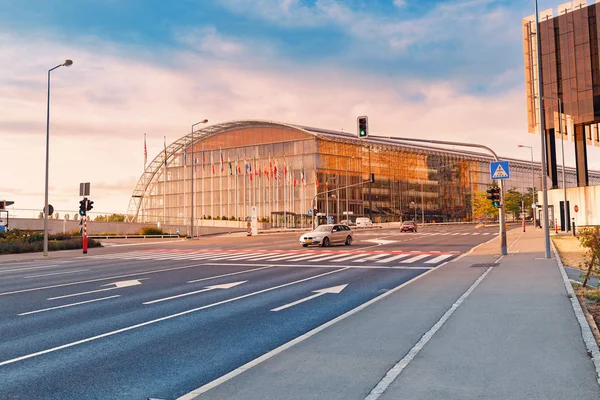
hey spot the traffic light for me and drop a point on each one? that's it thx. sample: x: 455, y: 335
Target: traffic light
x: 83, y: 206
x: 90, y: 205
x: 363, y: 127
x: 494, y: 195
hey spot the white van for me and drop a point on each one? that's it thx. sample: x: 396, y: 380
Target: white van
x: 363, y: 221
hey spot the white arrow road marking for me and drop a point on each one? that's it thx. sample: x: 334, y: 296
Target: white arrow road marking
x: 118, y: 285
x: 122, y: 284
x: 321, y: 292
x: 213, y: 287
x: 179, y: 314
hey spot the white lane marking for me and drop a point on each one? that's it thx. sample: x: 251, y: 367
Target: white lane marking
x: 438, y: 259
x: 80, y: 294
x: 321, y: 292
x: 394, y: 258
x: 205, y: 388
x: 122, y: 284
x: 397, y: 369
x: 353, y: 266
x: 230, y: 274
x: 102, y: 279
x: 279, y: 258
x: 54, y: 273
x: 154, y: 321
x: 69, y: 305
x: 206, y: 289
x: 415, y: 258
x: 27, y: 268
x: 486, y: 233
x: 349, y: 258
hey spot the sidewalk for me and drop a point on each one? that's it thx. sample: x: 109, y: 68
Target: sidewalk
x: 463, y: 331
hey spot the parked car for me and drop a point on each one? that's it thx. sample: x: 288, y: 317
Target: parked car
x: 347, y: 222
x: 325, y: 235
x: 408, y: 226
x: 363, y: 221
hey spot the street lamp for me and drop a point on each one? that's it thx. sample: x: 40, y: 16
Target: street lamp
x: 562, y: 145
x: 414, y: 205
x: 193, y: 169
x: 66, y: 63
x: 532, y: 180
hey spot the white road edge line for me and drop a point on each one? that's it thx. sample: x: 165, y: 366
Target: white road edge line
x: 69, y: 305
x: 129, y: 328
x: 205, y: 388
x: 397, y: 369
x: 586, y: 331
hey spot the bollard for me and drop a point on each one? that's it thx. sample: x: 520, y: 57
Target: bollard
x: 555, y: 225
x: 573, y: 226
x: 523, y: 225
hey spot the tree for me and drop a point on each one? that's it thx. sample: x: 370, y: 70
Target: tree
x: 482, y: 206
x: 67, y: 217
x: 41, y: 215
x: 512, y: 202
x: 590, y: 239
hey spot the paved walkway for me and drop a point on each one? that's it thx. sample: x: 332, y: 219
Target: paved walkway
x: 507, y: 331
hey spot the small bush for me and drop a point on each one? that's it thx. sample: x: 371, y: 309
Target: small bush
x: 232, y: 218
x: 150, y: 230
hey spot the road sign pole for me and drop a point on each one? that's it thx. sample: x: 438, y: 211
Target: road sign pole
x: 85, y: 238
x: 503, y: 248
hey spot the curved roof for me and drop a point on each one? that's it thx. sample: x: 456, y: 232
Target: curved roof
x: 338, y: 136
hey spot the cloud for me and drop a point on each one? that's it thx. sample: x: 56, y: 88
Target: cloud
x: 400, y: 3
x: 102, y: 106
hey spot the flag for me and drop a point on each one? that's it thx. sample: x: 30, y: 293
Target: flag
x: 230, y: 167
x: 203, y: 160
x: 245, y: 163
x: 275, y: 171
x: 145, y: 151
x: 165, y: 151
x: 221, y: 156
x: 316, y: 180
x: 212, y: 163
x: 294, y: 181
x: 184, y: 155
x: 302, y: 181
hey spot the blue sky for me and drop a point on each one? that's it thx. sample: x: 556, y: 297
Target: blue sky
x: 440, y: 69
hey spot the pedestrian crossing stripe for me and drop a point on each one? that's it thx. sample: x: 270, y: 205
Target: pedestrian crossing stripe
x: 309, y: 257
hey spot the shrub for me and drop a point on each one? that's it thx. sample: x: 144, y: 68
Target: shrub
x: 150, y: 230
x: 590, y: 239
x: 232, y: 218
x: 224, y: 218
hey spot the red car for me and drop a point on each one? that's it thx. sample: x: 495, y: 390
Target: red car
x: 408, y: 226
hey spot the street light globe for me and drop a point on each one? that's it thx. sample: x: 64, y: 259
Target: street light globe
x: 67, y: 63
x: 204, y: 121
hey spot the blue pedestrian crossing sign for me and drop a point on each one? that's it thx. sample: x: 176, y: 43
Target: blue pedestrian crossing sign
x: 499, y: 170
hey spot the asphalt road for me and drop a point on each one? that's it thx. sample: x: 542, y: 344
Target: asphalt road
x: 136, y: 320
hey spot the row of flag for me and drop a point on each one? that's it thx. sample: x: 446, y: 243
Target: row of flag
x: 272, y: 171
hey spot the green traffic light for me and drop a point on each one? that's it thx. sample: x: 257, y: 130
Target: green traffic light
x: 496, y: 203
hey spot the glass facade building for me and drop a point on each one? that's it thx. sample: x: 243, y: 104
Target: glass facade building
x: 283, y: 170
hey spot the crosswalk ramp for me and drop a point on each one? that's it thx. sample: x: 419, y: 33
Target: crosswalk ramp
x: 427, y: 259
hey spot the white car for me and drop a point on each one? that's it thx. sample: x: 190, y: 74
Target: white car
x: 363, y: 221
x: 325, y: 235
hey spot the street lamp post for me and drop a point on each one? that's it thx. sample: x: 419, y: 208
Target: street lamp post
x: 66, y: 63
x: 193, y: 169
x: 532, y: 180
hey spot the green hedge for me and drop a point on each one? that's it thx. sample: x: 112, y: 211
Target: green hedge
x: 17, y: 241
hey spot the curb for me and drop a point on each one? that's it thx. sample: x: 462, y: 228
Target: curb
x: 586, y: 330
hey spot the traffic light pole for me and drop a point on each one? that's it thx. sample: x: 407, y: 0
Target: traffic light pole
x: 85, y: 238
x: 503, y: 248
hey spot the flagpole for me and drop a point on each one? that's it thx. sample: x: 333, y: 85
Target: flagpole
x: 212, y: 190
x: 221, y: 184
x: 202, y: 186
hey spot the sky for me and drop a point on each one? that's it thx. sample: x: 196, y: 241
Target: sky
x: 446, y: 69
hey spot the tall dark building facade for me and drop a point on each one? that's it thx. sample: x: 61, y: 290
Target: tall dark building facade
x: 570, y: 64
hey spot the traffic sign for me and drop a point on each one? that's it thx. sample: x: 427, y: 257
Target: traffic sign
x: 309, y: 212
x: 534, y: 206
x: 576, y: 208
x: 499, y: 170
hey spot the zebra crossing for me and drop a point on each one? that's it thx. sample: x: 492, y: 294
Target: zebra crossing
x: 451, y: 233
x: 379, y: 258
